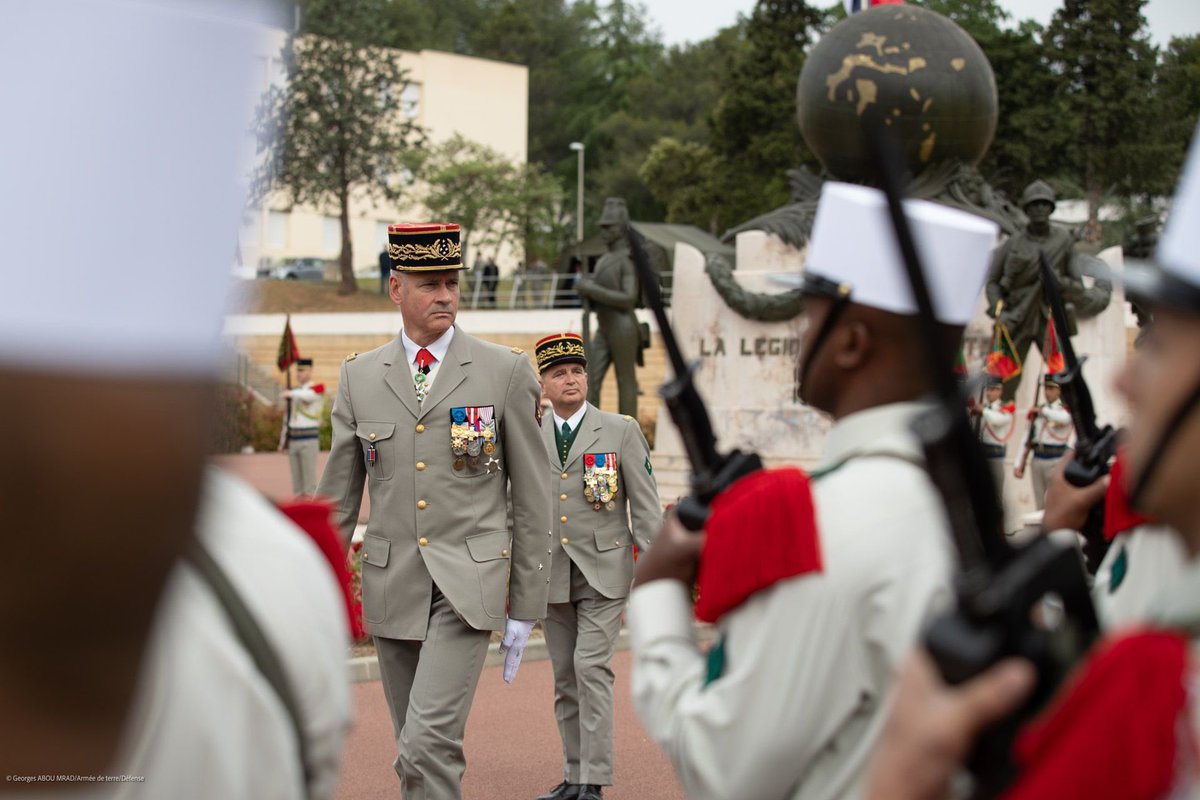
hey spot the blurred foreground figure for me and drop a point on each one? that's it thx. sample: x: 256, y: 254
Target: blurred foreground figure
x: 819, y: 585
x: 126, y: 637
x: 1127, y: 724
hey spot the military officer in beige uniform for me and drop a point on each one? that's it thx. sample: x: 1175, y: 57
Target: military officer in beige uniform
x: 599, y: 465
x: 440, y: 425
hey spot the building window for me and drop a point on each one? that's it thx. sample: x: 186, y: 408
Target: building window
x: 410, y: 100
x: 331, y: 234
x: 277, y: 225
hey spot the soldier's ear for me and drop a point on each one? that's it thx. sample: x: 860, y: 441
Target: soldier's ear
x: 852, y: 344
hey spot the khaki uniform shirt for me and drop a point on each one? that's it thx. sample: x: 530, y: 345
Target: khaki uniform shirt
x: 600, y: 540
x: 430, y: 522
x: 809, y: 662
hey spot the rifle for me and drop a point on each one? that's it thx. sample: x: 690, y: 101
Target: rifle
x: 1029, y: 443
x: 1000, y: 585
x: 712, y: 472
x: 1094, y: 446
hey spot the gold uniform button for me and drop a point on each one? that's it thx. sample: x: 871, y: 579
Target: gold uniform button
x: 562, y: 519
x: 420, y: 429
x: 420, y: 466
x: 565, y: 540
x: 504, y: 552
x: 562, y: 497
x: 617, y: 542
x: 422, y: 541
x: 372, y: 437
x: 421, y: 504
x: 564, y: 476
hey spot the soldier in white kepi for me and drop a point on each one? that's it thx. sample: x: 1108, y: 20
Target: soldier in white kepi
x: 818, y: 584
x: 605, y: 500
x: 304, y: 428
x: 995, y: 427
x: 1050, y: 435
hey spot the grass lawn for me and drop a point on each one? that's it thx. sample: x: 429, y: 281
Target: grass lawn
x: 299, y: 297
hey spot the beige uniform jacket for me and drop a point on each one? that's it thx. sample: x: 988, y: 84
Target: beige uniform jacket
x: 600, y: 542
x: 431, y: 523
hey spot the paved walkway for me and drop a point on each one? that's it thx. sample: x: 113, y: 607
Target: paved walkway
x: 512, y: 745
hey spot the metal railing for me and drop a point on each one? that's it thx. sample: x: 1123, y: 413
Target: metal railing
x: 520, y: 291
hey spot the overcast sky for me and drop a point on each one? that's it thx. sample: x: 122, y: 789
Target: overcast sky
x: 693, y: 20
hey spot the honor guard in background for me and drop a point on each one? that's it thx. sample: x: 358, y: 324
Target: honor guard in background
x: 995, y: 427
x: 819, y: 585
x: 605, y: 501
x: 1127, y: 722
x: 127, y: 643
x: 441, y: 426
x: 1052, y: 429
x: 303, y: 428
x: 612, y: 290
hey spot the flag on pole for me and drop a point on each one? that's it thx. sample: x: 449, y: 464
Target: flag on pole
x: 289, y: 353
x: 1003, y: 361
x: 854, y: 6
x: 1054, y: 357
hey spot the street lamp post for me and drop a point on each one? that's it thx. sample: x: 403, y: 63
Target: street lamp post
x: 587, y: 330
x: 578, y: 147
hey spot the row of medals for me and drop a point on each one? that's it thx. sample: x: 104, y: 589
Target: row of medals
x: 599, y: 488
x: 467, y: 443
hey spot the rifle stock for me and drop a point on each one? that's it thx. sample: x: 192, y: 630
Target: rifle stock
x: 1095, y: 446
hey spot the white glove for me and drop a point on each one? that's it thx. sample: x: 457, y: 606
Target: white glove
x: 516, y: 634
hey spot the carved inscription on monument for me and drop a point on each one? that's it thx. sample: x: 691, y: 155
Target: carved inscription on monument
x: 760, y: 346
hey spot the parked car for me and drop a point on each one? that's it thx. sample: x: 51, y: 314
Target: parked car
x: 299, y: 269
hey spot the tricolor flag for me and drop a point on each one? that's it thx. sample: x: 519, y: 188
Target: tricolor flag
x: 1003, y: 361
x: 288, y: 351
x: 854, y: 6
x: 1054, y: 356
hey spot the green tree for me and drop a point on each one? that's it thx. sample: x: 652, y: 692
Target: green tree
x: 1178, y: 102
x: 1103, y: 53
x: 471, y: 184
x: 754, y: 130
x: 680, y: 175
x: 335, y: 130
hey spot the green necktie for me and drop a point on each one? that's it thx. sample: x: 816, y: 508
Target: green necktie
x: 566, y: 431
x: 565, y: 441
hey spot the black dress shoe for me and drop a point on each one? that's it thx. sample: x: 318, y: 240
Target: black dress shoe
x: 591, y: 791
x: 564, y: 791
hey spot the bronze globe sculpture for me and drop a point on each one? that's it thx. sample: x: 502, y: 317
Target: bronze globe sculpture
x: 905, y: 67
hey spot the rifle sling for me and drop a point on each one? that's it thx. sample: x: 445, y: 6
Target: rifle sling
x: 250, y: 635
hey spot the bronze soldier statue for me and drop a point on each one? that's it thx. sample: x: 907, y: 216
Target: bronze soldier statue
x: 612, y: 289
x: 1014, y: 286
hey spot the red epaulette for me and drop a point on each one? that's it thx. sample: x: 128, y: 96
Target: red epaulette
x: 319, y: 388
x: 315, y: 517
x: 1009, y: 408
x: 1119, y: 516
x: 1114, y: 731
x: 762, y: 530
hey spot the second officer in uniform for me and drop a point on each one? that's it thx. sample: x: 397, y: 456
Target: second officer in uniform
x: 600, y: 465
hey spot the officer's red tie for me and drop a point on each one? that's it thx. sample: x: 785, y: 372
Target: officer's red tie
x: 425, y: 360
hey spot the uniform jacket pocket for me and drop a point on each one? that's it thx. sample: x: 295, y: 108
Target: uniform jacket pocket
x: 378, y: 448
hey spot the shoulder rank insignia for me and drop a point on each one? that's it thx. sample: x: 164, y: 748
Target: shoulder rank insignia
x: 352, y: 356
x: 626, y: 416
x: 518, y: 350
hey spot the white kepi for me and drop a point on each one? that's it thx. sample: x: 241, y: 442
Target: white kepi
x: 853, y: 253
